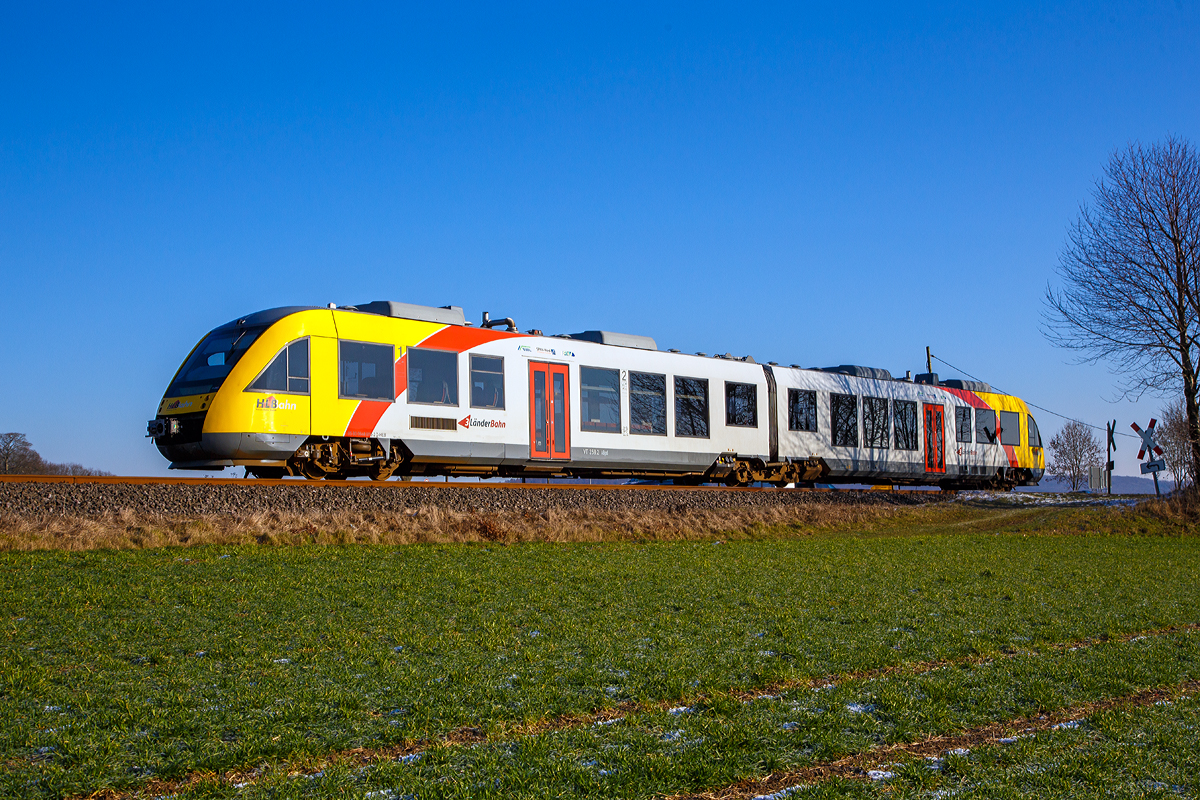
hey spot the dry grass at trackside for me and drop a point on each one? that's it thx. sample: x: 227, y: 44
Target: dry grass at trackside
x: 434, y: 525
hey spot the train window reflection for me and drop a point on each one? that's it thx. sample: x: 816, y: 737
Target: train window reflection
x: 962, y: 423
x: 802, y: 410
x: 648, y: 403
x: 367, y: 371
x: 287, y: 372
x: 432, y: 377
x: 905, y: 412
x: 985, y: 426
x: 599, y: 400
x: 876, y: 425
x: 1035, y: 436
x: 741, y: 404
x: 691, y: 407
x: 487, y: 381
x: 208, y: 365
x: 843, y: 415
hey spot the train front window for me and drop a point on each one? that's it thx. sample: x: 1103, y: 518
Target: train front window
x: 1035, y: 437
x: 209, y: 364
x: 287, y: 372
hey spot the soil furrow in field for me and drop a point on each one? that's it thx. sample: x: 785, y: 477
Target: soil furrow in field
x: 472, y: 735
x: 859, y: 765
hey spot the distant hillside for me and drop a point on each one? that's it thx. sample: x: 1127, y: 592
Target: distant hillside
x: 1122, y: 484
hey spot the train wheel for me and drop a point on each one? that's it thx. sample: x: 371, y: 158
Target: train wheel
x: 313, y: 472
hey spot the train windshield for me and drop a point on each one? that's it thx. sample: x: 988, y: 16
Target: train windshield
x: 211, y: 361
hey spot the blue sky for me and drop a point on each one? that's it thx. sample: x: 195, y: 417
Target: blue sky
x: 804, y: 184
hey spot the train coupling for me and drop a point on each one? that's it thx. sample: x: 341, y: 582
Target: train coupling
x: 162, y: 428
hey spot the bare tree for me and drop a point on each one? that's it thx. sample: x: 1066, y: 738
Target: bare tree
x: 1073, y: 451
x: 1131, y: 275
x: 17, y: 456
x: 1172, y: 435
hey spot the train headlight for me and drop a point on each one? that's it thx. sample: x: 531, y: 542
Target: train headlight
x: 161, y: 428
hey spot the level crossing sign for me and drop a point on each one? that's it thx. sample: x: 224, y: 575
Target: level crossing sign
x: 1149, y: 445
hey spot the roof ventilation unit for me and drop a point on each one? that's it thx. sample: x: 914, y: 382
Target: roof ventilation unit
x: 446, y: 315
x: 968, y: 386
x: 618, y: 339
x: 860, y: 372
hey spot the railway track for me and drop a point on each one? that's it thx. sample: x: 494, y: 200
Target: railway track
x: 122, y: 480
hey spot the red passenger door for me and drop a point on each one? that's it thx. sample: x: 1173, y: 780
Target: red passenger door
x: 935, y: 439
x: 549, y: 411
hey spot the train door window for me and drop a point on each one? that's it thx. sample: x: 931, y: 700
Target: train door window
x: 985, y: 426
x: 432, y: 377
x: 1035, y: 436
x: 1010, y: 428
x: 648, y: 403
x: 487, y: 381
x: 935, y: 439
x: 366, y: 371
x: 843, y: 419
x: 691, y: 407
x: 802, y: 410
x: 876, y: 424
x: 600, y: 400
x: 906, y: 424
x: 741, y: 404
x: 962, y: 423
x: 287, y: 372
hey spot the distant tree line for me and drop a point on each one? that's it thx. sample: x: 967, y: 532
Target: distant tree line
x: 17, y: 457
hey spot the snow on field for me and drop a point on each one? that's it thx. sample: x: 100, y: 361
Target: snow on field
x: 1046, y: 498
x: 782, y: 793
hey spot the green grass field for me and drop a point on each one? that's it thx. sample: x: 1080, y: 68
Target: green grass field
x: 137, y: 670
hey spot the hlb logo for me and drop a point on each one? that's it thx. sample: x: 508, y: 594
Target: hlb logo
x: 271, y: 402
x: 180, y: 404
x: 467, y: 422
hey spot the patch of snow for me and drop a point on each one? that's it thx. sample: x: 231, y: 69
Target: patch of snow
x: 612, y: 721
x: 958, y: 751
x: 782, y: 793
x: 408, y: 759
x: 860, y: 708
x: 283, y: 661
x: 675, y: 712
x: 791, y: 726
x: 1067, y: 725
x: 880, y: 774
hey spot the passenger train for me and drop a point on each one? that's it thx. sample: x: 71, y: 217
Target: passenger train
x: 392, y: 389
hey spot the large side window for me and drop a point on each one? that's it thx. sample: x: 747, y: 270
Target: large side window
x: 648, y: 403
x: 487, y: 381
x: 876, y: 425
x: 432, y: 377
x: 366, y: 371
x: 802, y: 410
x: 962, y: 423
x: 600, y: 400
x: 691, y: 407
x: 287, y: 372
x: 1010, y: 428
x: 741, y: 404
x: 1035, y: 436
x: 843, y: 419
x: 906, y: 424
x: 985, y: 426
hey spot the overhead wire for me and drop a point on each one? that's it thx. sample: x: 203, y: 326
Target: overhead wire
x: 1035, y: 405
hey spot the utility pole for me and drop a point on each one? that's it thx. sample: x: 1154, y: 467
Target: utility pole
x: 1112, y: 447
x: 928, y: 361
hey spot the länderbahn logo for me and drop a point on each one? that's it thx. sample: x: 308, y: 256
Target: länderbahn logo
x: 467, y: 422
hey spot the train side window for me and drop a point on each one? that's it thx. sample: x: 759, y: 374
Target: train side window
x: 985, y: 426
x: 432, y: 377
x: 741, y: 404
x: 1035, y: 436
x: 487, y: 382
x: 906, y: 424
x: 962, y: 423
x: 600, y: 400
x: 691, y: 407
x: 367, y: 371
x: 802, y: 410
x: 843, y: 416
x: 287, y: 372
x: 648, y: 403
x: 876, y: 425
x: 1010, y: 428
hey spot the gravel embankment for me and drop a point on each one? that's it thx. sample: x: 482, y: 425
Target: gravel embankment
x: 39, y: 500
